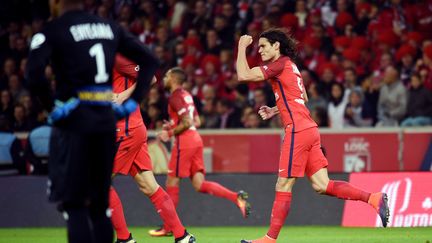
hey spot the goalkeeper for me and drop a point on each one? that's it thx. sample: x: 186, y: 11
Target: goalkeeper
x: 81, y: 49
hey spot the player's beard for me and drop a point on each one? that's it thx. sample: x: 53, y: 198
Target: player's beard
x: 167, y: 84
x: 167, y: 87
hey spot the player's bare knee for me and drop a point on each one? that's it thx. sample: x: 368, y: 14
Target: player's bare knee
x: 197, y: 181
x: 197, y: 185
x: 172, y: 182
x: 284, y: 184
x: 147, y: 188
x: 319, y: 188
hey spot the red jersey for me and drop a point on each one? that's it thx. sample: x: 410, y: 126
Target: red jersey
x: 287, y: 85
x: 181, y: 104
x: 124, y: 76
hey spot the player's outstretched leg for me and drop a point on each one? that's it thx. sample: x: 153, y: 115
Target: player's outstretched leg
x: 344, y: 190
x: 118, y: 219
x: 173, y: 190
x: 379, y: 202
x: 163, y: 204
x: 280, y: 210
x: 243, y: 204
x: 216, y: 189
x: 166, y: 210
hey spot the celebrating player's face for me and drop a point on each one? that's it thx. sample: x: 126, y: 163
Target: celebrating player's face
x: 267, y: 50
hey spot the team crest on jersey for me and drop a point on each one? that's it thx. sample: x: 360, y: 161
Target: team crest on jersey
x: 276, y: 96
x: 265, y: 67
x: 37, y: 41
x: 188, y: 99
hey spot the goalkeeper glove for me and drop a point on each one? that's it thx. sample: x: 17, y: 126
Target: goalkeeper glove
x: 62, y: 109
x: 125, y: 109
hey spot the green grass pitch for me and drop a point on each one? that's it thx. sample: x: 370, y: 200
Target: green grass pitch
x: 297, y: 234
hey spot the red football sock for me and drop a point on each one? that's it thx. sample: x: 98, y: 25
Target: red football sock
x: 281, y: 208
x: 173, y: 192
x: 117, y: 217
x: 165, y: 207
x: 218, y: 190
x: 345, y: 190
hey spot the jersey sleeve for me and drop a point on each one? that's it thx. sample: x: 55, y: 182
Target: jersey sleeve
x: 125, y: 67
x: 37, y: 83
x: 178, y: 105
x: 273, y: 69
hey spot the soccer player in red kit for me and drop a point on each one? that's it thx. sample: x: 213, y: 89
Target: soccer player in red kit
x: 132, y: 158
x: 187, y: 153
x: 301, y: 150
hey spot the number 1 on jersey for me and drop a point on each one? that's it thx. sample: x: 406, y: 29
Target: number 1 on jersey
x: 97, y: 51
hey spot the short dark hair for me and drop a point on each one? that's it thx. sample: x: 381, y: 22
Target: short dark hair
x: 288, y: 44
x: 179, y: 73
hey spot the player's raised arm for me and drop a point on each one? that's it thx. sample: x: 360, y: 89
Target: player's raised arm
x: 244, y: 72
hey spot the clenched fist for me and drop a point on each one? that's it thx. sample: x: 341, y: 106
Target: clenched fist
x: 245, y: 41
x: 266, y: 112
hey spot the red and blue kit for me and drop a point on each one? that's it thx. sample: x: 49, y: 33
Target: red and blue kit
x: 187, y: 153
x: 301, y: 148
x: 132, y: 154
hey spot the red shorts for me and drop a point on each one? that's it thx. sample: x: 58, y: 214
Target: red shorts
x: 132, y: 155
x: 186, y: 162
x: 301, y: 152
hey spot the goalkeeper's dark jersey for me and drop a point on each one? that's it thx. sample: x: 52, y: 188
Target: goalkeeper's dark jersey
x: 81, y: 49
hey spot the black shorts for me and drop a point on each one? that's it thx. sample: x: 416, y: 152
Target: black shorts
x: 80, y: 166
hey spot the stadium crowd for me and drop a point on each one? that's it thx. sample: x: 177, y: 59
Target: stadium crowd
x: 363, y: 63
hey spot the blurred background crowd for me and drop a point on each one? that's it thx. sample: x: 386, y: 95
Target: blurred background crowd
x: 364, y: 63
